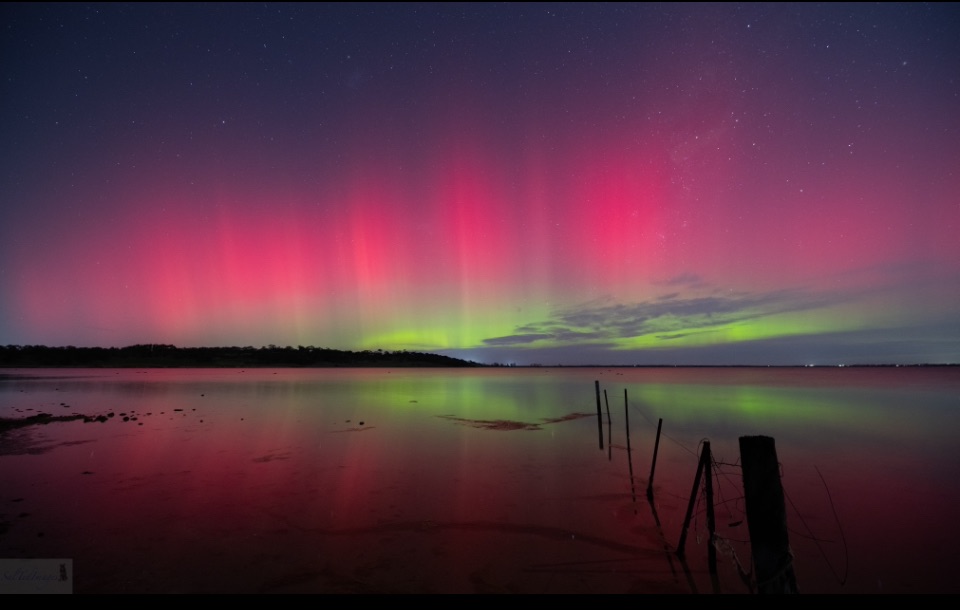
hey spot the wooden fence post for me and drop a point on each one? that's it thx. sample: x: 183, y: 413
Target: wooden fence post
x: 701, y: 466
x: 766, y: 516
x: 609, y: 428
x: 653, y: 465
x: 626, y: 409
x: 711, y: 521
x: 599, y: 414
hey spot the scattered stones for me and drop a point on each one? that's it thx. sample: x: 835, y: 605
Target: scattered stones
x: 39, y: 418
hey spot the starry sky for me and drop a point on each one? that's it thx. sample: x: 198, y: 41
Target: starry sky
x: 505, y: 183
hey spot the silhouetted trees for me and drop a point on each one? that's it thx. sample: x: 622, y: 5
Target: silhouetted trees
x: 157, y: 355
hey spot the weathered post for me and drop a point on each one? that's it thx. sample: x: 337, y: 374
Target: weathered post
x: 633, y: 489
x: 653, y: 465
x: 702, y: 465
x: 609, y: 427
x: 599, y: 414
x: 766, y: 516
x: 711, y: 521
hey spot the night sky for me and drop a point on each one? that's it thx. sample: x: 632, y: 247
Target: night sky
x: 512, y: 183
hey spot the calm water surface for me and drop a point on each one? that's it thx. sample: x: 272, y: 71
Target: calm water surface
x: 490, y: 480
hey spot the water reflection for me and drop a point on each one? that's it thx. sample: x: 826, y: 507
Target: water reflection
x: 369, y: 479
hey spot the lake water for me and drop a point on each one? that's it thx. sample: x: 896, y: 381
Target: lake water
x: 475, y: 480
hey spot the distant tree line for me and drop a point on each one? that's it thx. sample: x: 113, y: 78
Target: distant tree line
x: 154, y: 355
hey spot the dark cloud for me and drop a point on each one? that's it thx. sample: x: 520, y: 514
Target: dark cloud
x: 932, y: 343
x: 674, y: 317
x: 516, y: 339
x: 675, y: 336
x: 689, y: 280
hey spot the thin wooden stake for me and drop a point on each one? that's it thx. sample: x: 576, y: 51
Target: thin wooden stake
x: 701, y: 466
x: 609, y: 428
x: 653, y: 465
x: 633, y: 489
x: 599, y: 414
x: 711, y: 522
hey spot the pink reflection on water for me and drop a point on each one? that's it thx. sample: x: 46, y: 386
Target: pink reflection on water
x: 268, y: 481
